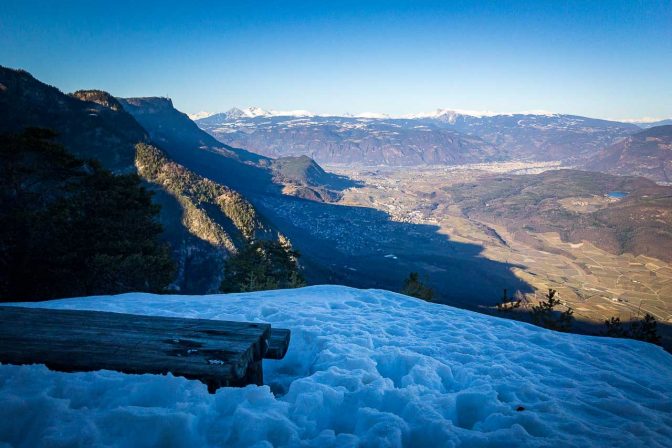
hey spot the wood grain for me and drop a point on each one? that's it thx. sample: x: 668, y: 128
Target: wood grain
x: 218, y: 353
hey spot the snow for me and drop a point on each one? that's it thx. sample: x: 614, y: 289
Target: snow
x: 199, y: 115
x: 254, y: 111
x: 448, y: 115
x: 373, y: 115
x: 642, y: 120
x: 364, y: 368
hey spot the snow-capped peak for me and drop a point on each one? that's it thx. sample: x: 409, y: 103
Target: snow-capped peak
x: 451, y: 115
x: 447, y: 115
x: 254, y: 111
x: 199, y: 115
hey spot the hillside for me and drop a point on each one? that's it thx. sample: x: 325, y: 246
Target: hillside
x: 201, y: 230
x: 303, y: 177
x: 647, y: 153
x: 364, y: 368
x: 69, y: 227
x: 649, y: 124
x: 237, y: 168
x: 617, y: 214
x: 441, y: 138
x: 95, y: 128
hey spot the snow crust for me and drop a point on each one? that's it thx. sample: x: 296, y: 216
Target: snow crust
x: 364, y: 368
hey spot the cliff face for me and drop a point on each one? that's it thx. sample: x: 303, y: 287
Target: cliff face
x: 99, y: 97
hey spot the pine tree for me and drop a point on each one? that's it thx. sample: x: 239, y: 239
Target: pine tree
x: 263, y: 265
x: 645, y: 330
x: 69, y: 227
x: 508, y: 304
x: 544, y: 314
x: 415, y: 288
x: 614, y: 328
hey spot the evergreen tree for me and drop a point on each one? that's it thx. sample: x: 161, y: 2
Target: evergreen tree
x: 645, y: 330
x: 614, y: 328
x: 263, y: 265
x: 415, y: 288
x: 69, y: 227
x: 545, y: 315
x: 508, y: 303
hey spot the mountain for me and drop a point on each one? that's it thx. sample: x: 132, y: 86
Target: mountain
x: 91, y: 125
x: 616, y: 213
x: 199, y: 115
x: 242, y: 170
x: 303, y: 177
x: 647, y: 153
x: 541, y: 137
x: 651, y: 124
x: 443, y: 137
x: 338, y: 244
x: 364, y: 368
x: 204, y: 221
x: 188, y: 145
x: 350, y: 140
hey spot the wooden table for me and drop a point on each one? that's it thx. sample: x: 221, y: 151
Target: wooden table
x: 217, y: 353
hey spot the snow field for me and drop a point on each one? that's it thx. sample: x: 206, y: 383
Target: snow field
x: 364, y: 368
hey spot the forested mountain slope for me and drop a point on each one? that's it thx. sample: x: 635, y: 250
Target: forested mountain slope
x: 204, y: 221
x: 647, y: 153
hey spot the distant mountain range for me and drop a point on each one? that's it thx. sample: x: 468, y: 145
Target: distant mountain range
x: 651, y: 124
x: 647, y: 153
x: 441, y: 137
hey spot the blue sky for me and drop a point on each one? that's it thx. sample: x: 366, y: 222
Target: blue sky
x: 609, y: 59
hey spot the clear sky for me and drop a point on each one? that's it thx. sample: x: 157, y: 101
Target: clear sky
x: 601, y: 58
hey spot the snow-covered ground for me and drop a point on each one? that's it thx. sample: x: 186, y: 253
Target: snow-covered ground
x: 364, y: 368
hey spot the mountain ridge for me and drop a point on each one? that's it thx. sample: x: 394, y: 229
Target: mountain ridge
x: 204, y: 222
x: 647, y: 153
x: 444, y: 137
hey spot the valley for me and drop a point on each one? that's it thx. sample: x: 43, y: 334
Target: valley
x: 596, y: 282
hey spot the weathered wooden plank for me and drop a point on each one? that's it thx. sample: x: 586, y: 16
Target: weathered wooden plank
x: 278, y: 343
x: 219, y: 353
